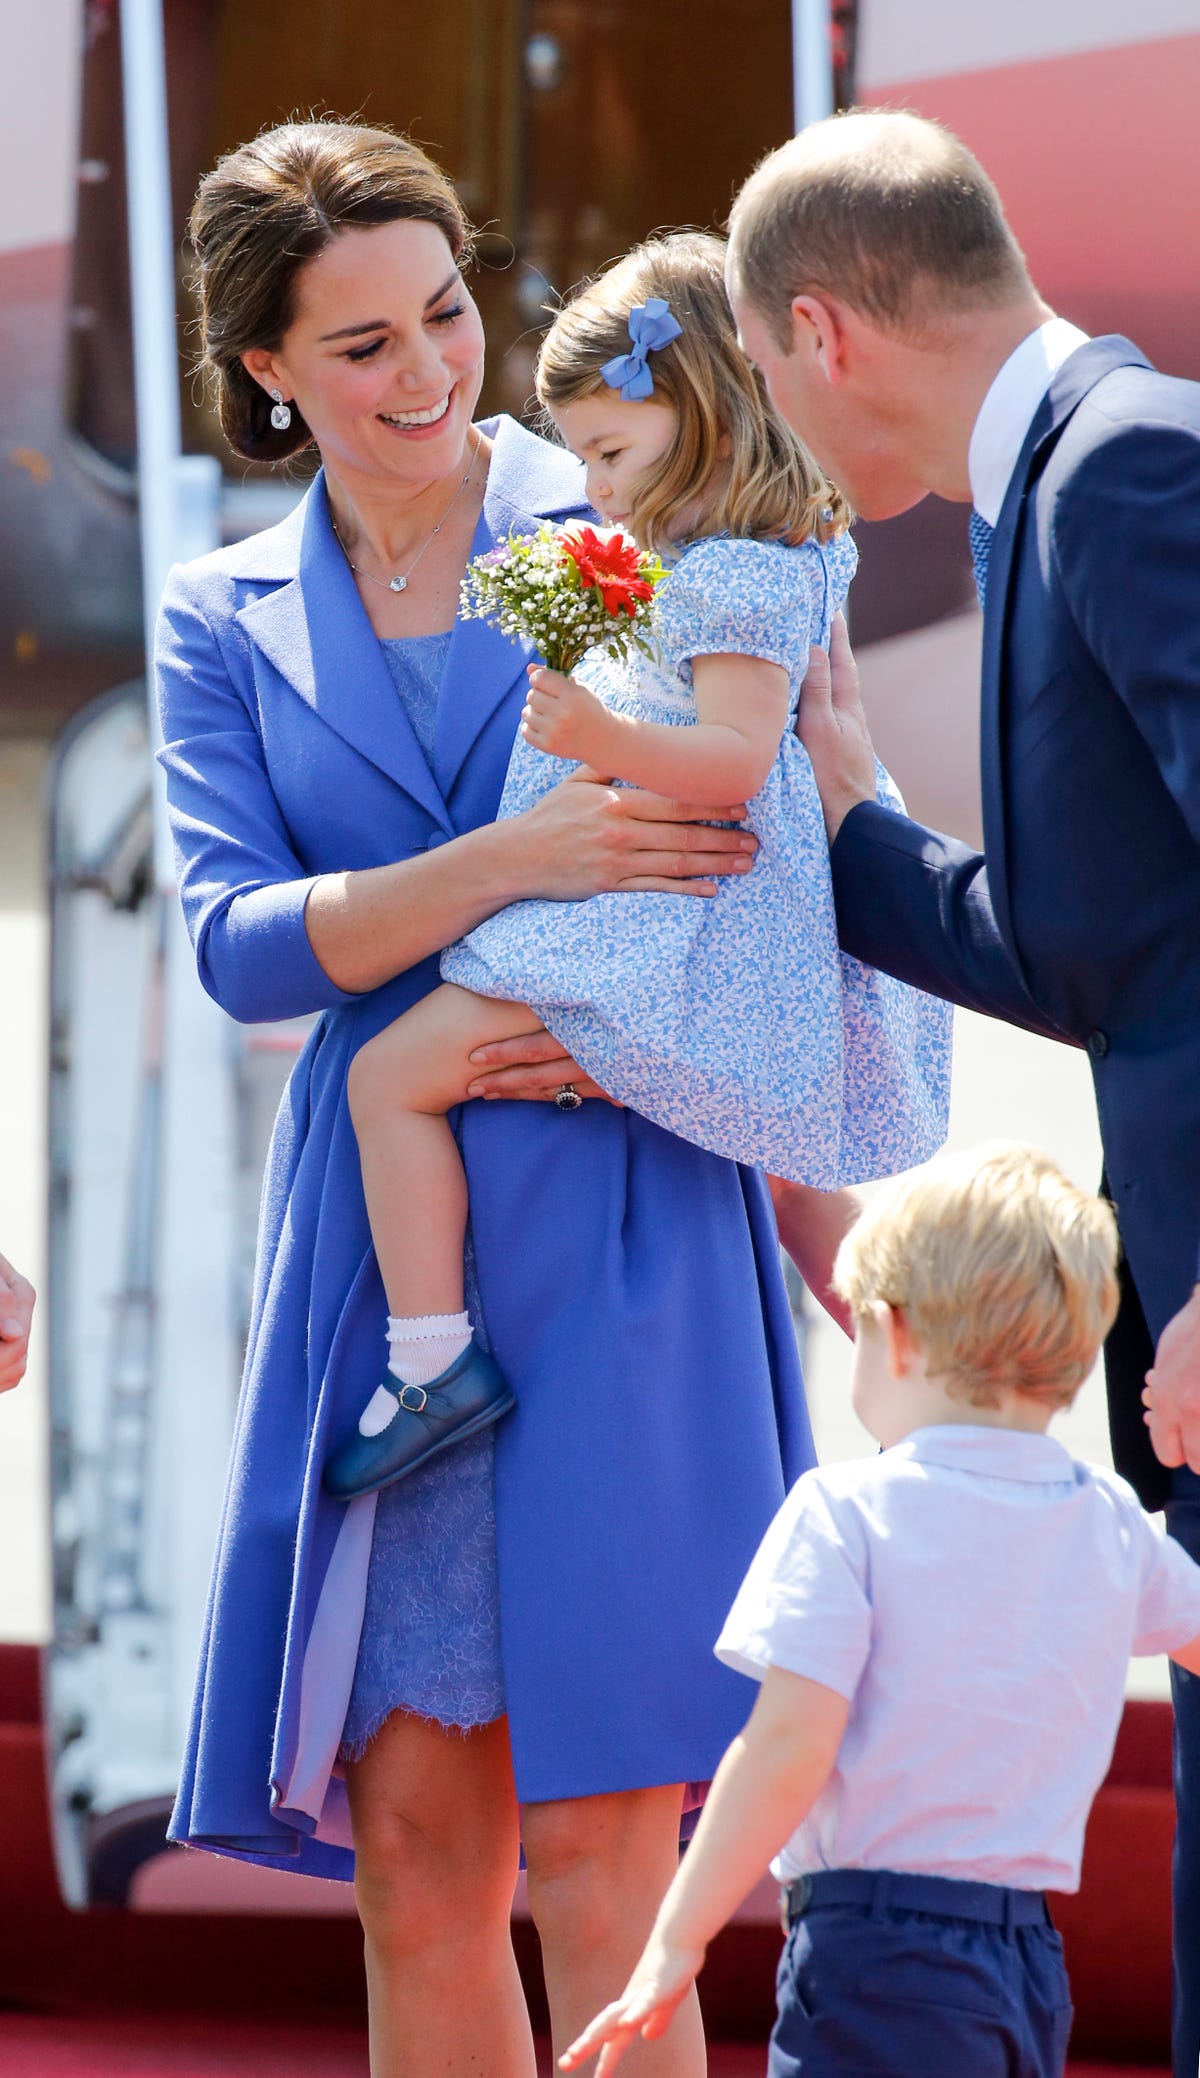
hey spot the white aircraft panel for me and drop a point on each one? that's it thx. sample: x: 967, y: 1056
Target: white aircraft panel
x: 902, y: 40
x: 41, y: 48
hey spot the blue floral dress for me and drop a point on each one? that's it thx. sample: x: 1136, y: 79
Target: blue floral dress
x: 735, y: 1023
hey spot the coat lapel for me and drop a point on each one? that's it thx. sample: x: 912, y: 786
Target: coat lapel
x: 528, y: 481
x: 315, y: 632
x: 313, y: 629
x: 1077, y: 376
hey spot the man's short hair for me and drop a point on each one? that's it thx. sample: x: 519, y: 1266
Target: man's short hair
x: 885, y: 211
x: 1005, y: 1271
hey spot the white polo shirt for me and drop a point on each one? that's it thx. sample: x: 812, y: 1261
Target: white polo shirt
x: 976, y: 1595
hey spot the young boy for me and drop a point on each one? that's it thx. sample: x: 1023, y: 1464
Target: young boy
x: 941, y: 1634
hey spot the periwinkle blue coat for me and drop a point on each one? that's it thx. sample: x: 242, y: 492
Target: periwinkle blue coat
x: 630, y: 1282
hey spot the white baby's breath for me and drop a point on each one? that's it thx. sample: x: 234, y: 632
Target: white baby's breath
x: 530, y: 587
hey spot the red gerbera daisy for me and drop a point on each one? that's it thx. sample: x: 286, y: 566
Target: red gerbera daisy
x: 612, y: 563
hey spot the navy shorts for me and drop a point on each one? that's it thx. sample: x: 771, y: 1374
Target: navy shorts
x: 877, y: 1989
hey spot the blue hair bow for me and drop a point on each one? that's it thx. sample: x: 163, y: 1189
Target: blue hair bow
x: 651, y: 326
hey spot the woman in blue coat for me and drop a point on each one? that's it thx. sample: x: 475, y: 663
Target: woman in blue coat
x: 517, y: 1642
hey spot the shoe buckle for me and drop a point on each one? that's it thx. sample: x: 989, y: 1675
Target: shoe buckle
x: 419, y: 1401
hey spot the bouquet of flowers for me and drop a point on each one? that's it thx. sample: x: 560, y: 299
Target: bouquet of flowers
x: 566, y: 590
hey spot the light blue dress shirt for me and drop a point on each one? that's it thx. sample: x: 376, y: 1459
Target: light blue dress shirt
x: 976, y: 1594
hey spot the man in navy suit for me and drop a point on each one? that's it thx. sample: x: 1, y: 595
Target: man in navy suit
x: 888, y: 306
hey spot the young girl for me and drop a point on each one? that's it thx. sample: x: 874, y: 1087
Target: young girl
x: 733, y: 1021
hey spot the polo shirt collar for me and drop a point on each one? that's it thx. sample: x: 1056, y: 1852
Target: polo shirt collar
x: 990, y: 1453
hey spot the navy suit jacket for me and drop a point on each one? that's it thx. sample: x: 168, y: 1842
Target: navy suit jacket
x: 1081, y: 917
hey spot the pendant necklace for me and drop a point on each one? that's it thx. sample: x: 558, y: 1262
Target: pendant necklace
x: 402, y: 580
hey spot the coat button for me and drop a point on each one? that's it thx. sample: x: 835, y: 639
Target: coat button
x: 438, y: 837
x: 1097, y: 1044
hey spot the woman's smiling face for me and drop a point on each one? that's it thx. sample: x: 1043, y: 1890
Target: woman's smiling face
x: 384, y: 356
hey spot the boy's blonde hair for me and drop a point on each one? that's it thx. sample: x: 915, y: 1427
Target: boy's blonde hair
x: 1006, y: 1272
x: 768, y: 485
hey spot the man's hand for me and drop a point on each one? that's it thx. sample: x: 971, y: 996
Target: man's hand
x: 833, y: 729
x: 645, y: 2008
x: 1172, y: 1395
x: 16, y: 1313
x: 565, y: 719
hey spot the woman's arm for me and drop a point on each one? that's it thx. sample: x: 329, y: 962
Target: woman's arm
x: 812, y: 1226
x: 583, y: 838
x: 764, y: 1787
x: 742, y: 704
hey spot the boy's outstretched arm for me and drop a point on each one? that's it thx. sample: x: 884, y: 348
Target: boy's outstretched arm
x: 764, y: 1786
x: 1185, y: 1656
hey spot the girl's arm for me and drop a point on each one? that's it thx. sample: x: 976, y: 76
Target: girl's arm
x: 742, y: 703
x: 765, y: 1785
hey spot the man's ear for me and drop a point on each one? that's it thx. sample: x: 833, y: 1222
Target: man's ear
x: 817, y: 328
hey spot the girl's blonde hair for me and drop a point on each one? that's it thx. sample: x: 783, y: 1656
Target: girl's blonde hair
x: 767, y: 485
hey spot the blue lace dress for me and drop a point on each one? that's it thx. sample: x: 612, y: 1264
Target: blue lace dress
x: 431, y: 1629
x: 734, y: 1023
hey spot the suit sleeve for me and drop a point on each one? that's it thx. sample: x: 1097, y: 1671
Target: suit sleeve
x: 1127, y: 545
x: 916, y: 904
x: 242, y: 887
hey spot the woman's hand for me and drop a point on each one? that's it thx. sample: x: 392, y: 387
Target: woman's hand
x: 16, y: 1314
x: 586, y: 837
x: 565, y: 719
x: 645, y: 2008
x: 531, y: 1066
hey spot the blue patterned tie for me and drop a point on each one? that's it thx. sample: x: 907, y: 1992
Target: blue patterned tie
x: 979, y: 534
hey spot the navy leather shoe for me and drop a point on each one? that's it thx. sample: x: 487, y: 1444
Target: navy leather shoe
x: 464, y: 1398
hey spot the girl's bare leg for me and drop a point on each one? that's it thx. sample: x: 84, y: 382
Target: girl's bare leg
x: 434, y: 1817
x: 401, y: 1085
x: 598, y: 1869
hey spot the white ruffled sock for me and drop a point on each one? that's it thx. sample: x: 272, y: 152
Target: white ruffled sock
x: 419, y: 1350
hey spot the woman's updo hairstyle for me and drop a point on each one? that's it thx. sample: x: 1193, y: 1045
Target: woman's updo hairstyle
x: 262, y: 214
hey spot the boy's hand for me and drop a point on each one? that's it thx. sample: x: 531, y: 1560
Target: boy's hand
x: 646, y: 2007
x: 564, y: 719
x: 16, y: 1313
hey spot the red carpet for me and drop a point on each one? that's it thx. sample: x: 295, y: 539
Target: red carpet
x: 35, y: 2047
x: 195, y: 1995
